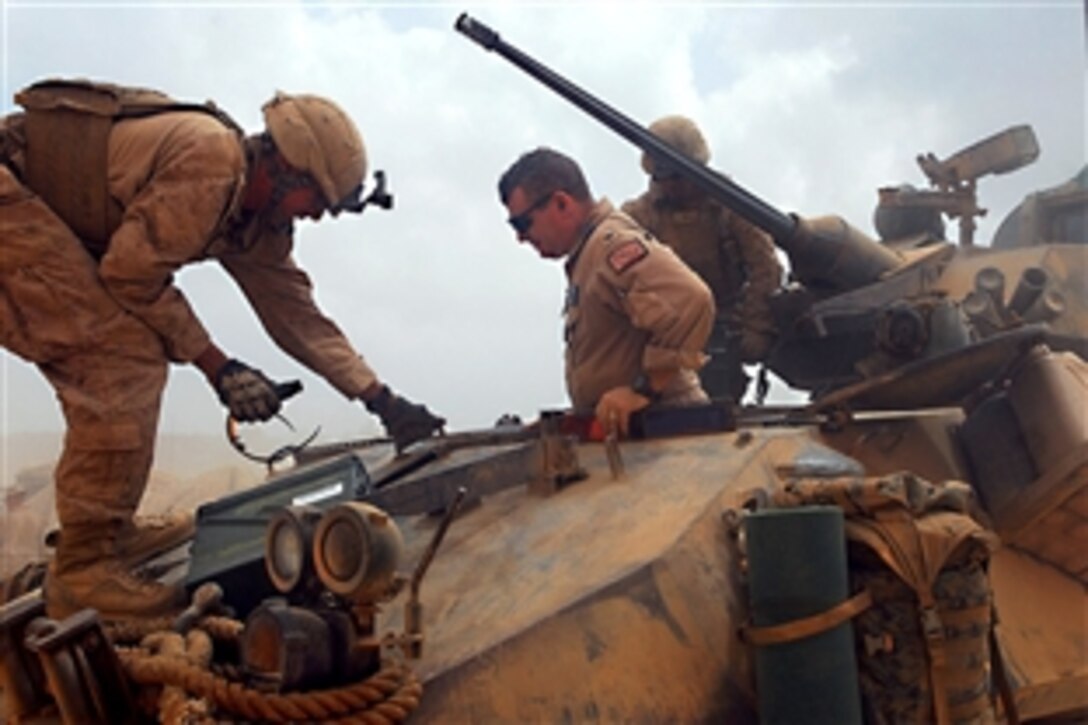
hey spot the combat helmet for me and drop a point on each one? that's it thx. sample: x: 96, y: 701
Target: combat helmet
x: 682, y: 134
x: 316, y: 136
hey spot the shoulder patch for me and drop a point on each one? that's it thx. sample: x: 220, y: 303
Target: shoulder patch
x: 626, y: 254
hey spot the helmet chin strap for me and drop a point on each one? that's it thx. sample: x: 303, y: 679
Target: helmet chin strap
x: 282, y: 185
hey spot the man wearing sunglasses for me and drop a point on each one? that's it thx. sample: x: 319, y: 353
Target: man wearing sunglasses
x: 636, y: 317
x: 105, y: 193
x: 735, y: 259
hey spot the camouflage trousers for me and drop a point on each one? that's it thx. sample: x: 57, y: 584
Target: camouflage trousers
x: 107, y: 368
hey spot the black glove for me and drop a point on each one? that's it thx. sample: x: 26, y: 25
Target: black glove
x: 247, y: 393
x: 405, y: 422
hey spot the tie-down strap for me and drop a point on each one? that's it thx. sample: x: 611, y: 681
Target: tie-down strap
x: 808, y: 626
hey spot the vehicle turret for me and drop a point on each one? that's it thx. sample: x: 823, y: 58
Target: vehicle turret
x: 856, y: 309
x: 825, y: 252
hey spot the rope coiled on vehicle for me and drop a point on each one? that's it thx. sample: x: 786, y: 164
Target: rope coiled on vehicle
x: 386, y: 697
x: 194, y: 689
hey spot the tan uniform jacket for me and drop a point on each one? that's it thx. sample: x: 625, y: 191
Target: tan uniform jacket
x: 735, y: 258
x: 179, y: 177
x: 632, y: 307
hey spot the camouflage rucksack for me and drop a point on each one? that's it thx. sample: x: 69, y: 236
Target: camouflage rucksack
x: 923, y: 647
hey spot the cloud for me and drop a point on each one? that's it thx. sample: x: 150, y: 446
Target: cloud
x: 813, y: 108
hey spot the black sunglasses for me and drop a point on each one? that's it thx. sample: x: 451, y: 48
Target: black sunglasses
x: 523, y: 222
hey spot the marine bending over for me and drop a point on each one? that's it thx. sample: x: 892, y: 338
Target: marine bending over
x: 105, y: 193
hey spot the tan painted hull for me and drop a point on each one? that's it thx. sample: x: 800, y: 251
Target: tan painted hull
x: 619, y: 600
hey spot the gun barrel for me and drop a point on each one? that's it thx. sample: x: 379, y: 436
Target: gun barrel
x: 779, y: 225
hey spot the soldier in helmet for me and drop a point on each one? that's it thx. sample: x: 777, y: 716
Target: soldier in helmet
x: 735, y: 259
x: 636, y: 318
x: 107, y: 191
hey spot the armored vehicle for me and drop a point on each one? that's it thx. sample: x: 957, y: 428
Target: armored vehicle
x: 908, y: 545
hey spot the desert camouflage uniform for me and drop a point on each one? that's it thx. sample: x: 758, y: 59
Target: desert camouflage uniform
x: 101, y: 321
x: 738, y: 263
x: 632, y: 307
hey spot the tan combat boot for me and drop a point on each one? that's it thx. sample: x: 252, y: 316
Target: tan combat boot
x: 145, y: 537
x: 86, y: 573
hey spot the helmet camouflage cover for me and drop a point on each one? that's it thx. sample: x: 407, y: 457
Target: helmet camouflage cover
x: 682, y: 134
x: 316, y: 136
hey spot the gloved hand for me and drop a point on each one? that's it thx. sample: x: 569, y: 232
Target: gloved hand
x: 405, y: 422
x: 247, y: 393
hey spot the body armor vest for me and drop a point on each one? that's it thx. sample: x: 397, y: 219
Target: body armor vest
x: 701, y: 237
x: 67, y: 131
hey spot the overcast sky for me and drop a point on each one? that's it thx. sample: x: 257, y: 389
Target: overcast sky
x: 810, y: 105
